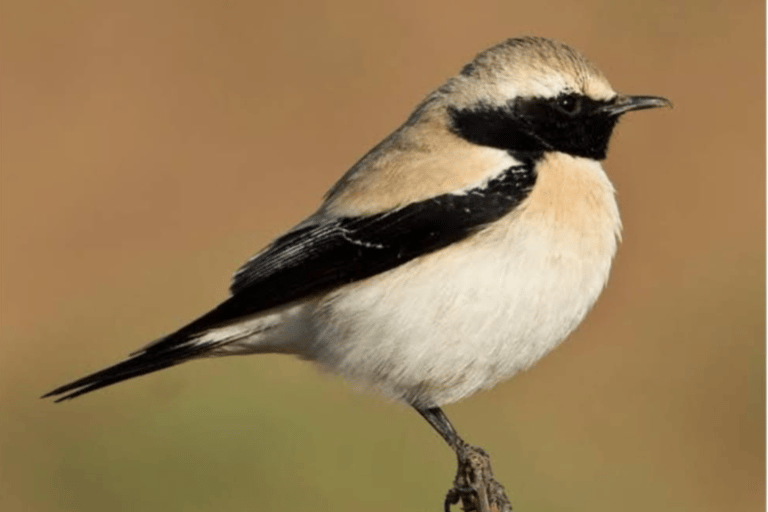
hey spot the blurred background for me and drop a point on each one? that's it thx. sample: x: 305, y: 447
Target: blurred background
x: 149, y: 148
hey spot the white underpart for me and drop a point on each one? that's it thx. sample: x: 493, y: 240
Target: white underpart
x: 281, y: 330
x: 444, y: 326
x: 464, y: 318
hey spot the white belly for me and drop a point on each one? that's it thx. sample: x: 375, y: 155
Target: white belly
x: 459, y: 320
x: 464, y: 318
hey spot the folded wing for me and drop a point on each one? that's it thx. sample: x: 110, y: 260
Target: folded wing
x: 319, y: 257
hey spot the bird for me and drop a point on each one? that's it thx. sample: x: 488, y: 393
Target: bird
x: 453, y: 255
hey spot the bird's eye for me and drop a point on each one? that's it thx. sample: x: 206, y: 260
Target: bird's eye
x: 570, y: 105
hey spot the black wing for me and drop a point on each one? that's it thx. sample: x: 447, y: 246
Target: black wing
x: 318, y: 258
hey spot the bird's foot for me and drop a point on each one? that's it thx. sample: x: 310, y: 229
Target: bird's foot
x: 475, y: 486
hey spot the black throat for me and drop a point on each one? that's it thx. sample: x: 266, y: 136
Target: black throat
x: 570, y: 123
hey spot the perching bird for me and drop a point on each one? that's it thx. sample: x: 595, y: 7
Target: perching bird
x: 453, y: 255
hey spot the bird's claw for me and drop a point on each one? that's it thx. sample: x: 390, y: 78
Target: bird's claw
x: 475, y: 486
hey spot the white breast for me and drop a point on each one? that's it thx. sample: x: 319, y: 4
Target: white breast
x: 462, y: 319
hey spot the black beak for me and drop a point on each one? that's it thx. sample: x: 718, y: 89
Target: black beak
x: 623, y: 104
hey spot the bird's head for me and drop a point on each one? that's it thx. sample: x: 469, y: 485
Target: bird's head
x: 536, y: 95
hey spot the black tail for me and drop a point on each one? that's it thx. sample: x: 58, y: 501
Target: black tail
x: 168, y: 351
x: 140, y: 364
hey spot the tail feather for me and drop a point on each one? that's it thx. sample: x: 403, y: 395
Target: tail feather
x: 198, y: 339
x: 140, y: 364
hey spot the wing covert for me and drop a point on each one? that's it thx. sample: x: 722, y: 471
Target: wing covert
x: 319, y: 257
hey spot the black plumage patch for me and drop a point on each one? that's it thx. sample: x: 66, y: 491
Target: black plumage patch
x: 138, y: 365
x: 316, y: 258
x: 569, y: 123
x: 319, y: 257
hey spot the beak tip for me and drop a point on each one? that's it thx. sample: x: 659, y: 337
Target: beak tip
x: 624, y: 104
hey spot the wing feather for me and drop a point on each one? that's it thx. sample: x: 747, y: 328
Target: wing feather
x: 316, y: 258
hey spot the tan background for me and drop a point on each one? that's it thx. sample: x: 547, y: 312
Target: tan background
x: 148, y: 148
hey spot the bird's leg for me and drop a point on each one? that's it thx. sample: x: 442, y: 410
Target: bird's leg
x: 474, y: 484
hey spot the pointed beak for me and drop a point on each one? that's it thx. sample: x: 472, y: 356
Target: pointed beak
x: 623, y: 104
